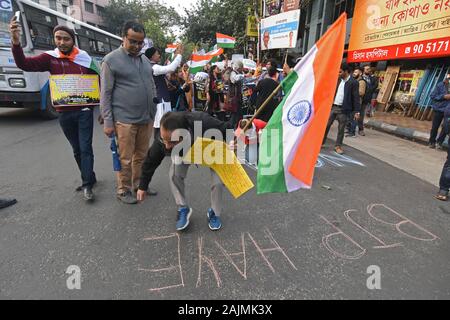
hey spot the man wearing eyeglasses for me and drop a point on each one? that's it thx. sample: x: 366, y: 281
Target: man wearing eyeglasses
x: 127, y: 104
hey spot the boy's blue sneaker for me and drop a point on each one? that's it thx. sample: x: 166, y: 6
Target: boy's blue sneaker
x: 213, y: 220
x: 184, y: 214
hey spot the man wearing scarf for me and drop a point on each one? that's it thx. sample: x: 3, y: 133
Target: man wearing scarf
x: 77, y: 122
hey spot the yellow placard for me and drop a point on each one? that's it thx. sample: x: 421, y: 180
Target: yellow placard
x: 74, y: 89
x: 216, y: 155
x: 252, y: 26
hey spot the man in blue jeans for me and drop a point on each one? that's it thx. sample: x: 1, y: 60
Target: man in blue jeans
x: 444, y: 182
x: 77, y: 121
x: 440, y: 103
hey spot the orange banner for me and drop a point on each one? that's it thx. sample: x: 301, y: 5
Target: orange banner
x: 395, y: 29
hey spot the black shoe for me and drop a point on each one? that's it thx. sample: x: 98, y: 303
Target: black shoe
x: 127, y: 197
x: 7, y: 202
x: 80, y: 188
x: 432, y: 145
x: 440, y: 146
x: 353, y: 135
x: 87, y: 194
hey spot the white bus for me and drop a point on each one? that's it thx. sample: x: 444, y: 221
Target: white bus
x: 20, y: 89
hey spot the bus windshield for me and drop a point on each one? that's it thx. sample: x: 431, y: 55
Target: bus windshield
x: 7, y: 9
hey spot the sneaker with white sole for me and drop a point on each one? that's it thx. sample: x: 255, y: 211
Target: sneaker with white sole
x: 214, y: 222
x: 184, y: 213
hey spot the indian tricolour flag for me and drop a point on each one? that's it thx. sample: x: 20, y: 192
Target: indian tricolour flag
x: 215, y: 53
x: 171, y: 48
x: 77, y: 56
x: 224, y: 41
x: 293, y: 137
x: 198, y: 62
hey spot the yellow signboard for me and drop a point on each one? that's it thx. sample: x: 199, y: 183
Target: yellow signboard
x: 74, y: 89
x: 252, y: 26
x: 394, y: 29
x: 216, y: 155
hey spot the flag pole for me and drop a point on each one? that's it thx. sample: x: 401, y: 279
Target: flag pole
x: 261, y: 108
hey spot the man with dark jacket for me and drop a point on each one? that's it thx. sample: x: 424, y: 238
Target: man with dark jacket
x: 439, y: 106
x: 444, y: 181
x: 346, y: 103
x: 171, y: 124
x: 77, y: 121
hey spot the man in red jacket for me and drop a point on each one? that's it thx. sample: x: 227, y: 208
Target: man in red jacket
x: 76, y: 121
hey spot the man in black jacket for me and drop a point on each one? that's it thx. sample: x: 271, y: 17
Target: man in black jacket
x: 171, y: 125
x: 346, y: 103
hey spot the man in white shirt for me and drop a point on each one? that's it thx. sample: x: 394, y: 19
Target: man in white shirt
x: 346, y: 102
x: 159, y: 75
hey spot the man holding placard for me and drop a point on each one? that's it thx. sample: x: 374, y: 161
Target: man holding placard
x: 68, y: 65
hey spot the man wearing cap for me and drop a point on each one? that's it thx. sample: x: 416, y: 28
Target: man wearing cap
x: 76, y: 121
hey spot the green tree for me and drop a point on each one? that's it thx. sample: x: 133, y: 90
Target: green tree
x: 157, y: 18
x: 210, y: 16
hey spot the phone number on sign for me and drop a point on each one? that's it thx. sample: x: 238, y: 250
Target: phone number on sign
x: 430, y: 47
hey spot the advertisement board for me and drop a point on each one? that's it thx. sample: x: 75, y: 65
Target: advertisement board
x: 280, y: 31
x: 399, y: 29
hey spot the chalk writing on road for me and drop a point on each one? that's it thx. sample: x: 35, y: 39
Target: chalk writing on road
x: 170, y: 268
x: 245, y: 240
x: 340, y: 243
x: 373, y: 211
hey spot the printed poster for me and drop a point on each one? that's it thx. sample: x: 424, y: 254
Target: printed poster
x: 74, y: 89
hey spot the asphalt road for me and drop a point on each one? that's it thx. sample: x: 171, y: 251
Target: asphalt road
x: 360, y: 214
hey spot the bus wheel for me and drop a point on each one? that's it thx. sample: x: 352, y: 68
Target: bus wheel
x: 49, y: 113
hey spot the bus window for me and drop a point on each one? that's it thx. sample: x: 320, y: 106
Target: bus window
x: 84, y: 43
x: 115, y: 44
x: 41, y: 17
x: 102, y: 43
x: 41, y: 27
x: 42, y: 36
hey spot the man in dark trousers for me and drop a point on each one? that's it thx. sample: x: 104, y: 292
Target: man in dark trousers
x: 172, y: 122
x: 77, y: 121
x: 346, y: 103
x: 444, y: 181
x: 439, y: 105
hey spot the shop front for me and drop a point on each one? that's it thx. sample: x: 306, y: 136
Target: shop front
x: 409, y: 43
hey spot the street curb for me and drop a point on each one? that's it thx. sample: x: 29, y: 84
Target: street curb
x: 403, y: 132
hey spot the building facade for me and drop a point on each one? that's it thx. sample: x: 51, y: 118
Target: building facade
x: 319, y: 15
x: 89, y: 11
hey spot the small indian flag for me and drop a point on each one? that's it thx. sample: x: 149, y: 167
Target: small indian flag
x: 293, y: 137
x: 171, y: 48
x: 198, y: 62
x: 215, y: 53
x: 224, y: 41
